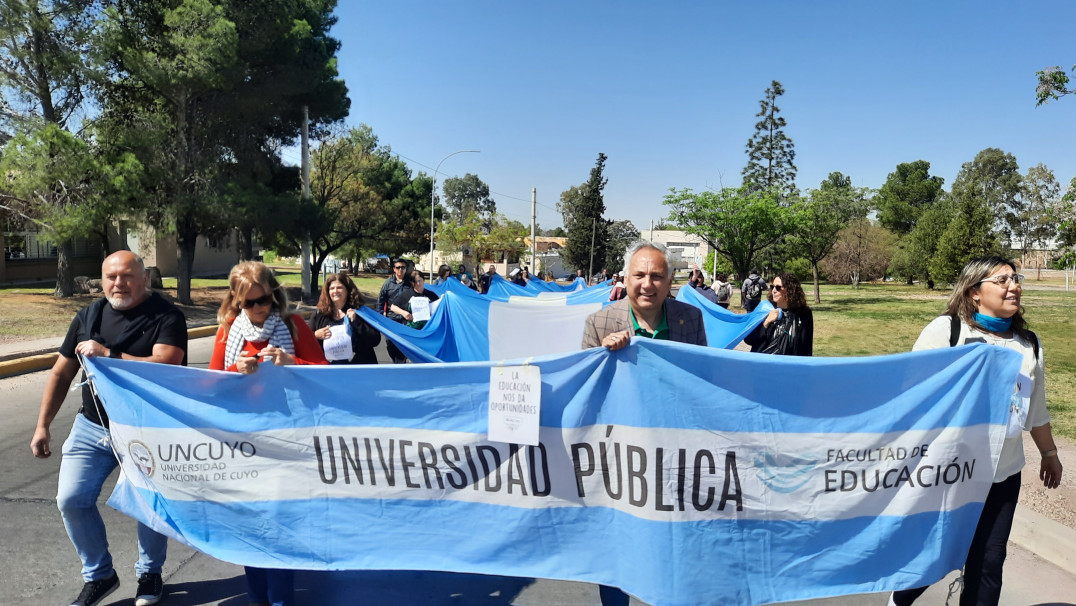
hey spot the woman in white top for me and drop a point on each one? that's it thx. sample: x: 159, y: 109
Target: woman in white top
x: 985, y: 308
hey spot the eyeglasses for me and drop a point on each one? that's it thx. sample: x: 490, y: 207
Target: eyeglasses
x: 263, y: 300
x: 776, y: 288
x: 399, y: 267
x: 1003, y: 279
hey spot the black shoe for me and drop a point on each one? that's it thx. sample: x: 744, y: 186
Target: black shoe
x: 95, y: 591
x: 150, y: 589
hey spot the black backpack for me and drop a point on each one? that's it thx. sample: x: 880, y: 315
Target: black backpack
x: 754, y: 289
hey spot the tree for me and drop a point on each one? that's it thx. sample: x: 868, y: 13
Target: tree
x: 906, y: 193
x: 60, y: 183
x: 1053, y: 84
x: 736, y: 222
x: 467, y: 194
x: 821, y: 217
x: 967, y: 236
x: 44, y: 72
x: 570, y: 199
x: 862, y: 252
x: 587, y: 230
x: 621, y: 235
x: 502, y: 236
x: 770, y: 153
x: 199, y: 88
x: 992, y: 179
x: 914, y: 251
x: 1041, y: 194
x: 361, y: 193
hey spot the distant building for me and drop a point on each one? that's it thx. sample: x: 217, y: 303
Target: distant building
x: 686, y: 249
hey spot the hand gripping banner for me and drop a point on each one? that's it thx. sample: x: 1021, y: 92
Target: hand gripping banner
x: 715, y: 477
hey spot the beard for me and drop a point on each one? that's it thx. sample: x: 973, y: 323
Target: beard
x: 125, y: 301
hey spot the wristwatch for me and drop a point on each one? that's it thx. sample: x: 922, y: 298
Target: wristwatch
x: 114, y: 353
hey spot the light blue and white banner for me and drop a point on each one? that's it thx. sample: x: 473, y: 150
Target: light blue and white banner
x: 515, y: 323
x: 724, y: 328
x: 715, y: 477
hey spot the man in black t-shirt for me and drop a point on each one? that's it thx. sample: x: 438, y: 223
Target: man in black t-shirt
x: 129, y: 323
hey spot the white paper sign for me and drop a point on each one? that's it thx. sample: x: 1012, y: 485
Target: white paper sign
x: 338, y: 345
x: 1021, y: 401
x: 420, y: 309
x: 515, y: 404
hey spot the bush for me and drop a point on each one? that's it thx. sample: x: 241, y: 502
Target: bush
x: 801, y: 268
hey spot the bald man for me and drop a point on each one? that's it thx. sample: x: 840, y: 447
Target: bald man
x: 131, y: 323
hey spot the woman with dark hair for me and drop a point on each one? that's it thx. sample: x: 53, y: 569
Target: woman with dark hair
x: 256, y: 324
x: 985, y: 308
x: 403, y: 303
x: 344, y: 336
x: 443, y: 274
x: 788, y: 329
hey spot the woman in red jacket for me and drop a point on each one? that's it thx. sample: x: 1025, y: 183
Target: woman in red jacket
x: 257, y: 326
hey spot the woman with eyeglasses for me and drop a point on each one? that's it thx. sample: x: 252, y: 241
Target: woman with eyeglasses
x: 985, y: 308
x: 344, y: 336
x: 257, y: 327
x: 788, y: 329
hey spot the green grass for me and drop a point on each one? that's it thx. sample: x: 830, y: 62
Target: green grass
x: 880, y: 319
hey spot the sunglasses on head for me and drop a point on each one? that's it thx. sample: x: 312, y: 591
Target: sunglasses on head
x: 263, y: 300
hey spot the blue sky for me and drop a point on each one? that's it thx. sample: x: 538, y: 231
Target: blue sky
x: 669, y: 90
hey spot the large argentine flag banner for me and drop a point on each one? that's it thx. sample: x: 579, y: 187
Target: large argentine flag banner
x: 467, y: 327
x: 723, y: 327
x: 714, y: 477
x: 514, y: 323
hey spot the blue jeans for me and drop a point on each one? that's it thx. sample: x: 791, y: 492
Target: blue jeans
x: 85, y: 465
x: 274, y: 586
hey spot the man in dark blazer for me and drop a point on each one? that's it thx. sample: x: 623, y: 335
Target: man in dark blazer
x: 648, y: 311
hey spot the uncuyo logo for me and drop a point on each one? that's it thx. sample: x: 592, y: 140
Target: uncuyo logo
x: 143, y: 457
x: 784, y: 473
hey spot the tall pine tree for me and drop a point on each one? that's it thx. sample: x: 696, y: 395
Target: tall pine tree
x: 770, y: 153
x: 584, y: 223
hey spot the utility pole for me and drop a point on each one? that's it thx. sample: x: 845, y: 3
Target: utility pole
x: 534, y: 228
x: 305, y: 143
x: 593, y: 231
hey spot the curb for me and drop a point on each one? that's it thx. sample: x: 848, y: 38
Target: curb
x: 1049, y: 540
x: 41, y: 359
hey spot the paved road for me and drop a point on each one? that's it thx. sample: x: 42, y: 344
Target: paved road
x: 39, y: 566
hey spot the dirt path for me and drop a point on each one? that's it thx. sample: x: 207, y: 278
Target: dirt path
x: 1058, y: 504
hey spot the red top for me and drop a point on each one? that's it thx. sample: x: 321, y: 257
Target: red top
x: 307, y: 348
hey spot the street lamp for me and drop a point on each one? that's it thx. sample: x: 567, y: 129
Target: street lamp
x: 433, y: 199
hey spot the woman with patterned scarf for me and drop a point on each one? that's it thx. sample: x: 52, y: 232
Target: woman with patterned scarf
x: 256, y: 326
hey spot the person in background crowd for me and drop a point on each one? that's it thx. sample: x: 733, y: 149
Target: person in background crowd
x: 256, y: 327
x: 617, y: 292
x: 486, y: 279
x: 444, y: 273
x: 579, y: 275
x: 526, y: 275
x: 131, y: 323
x: 340, y: 299
x: 648, y: 312
x: 751, y: 291
x: 516, y: 276
x: 723, y: 289
x: 985, y: 308
x: 390, y: 289
x: 402, y: 304
x: 789, y: 328
x: 463, y: 272
x: 698, y: 282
